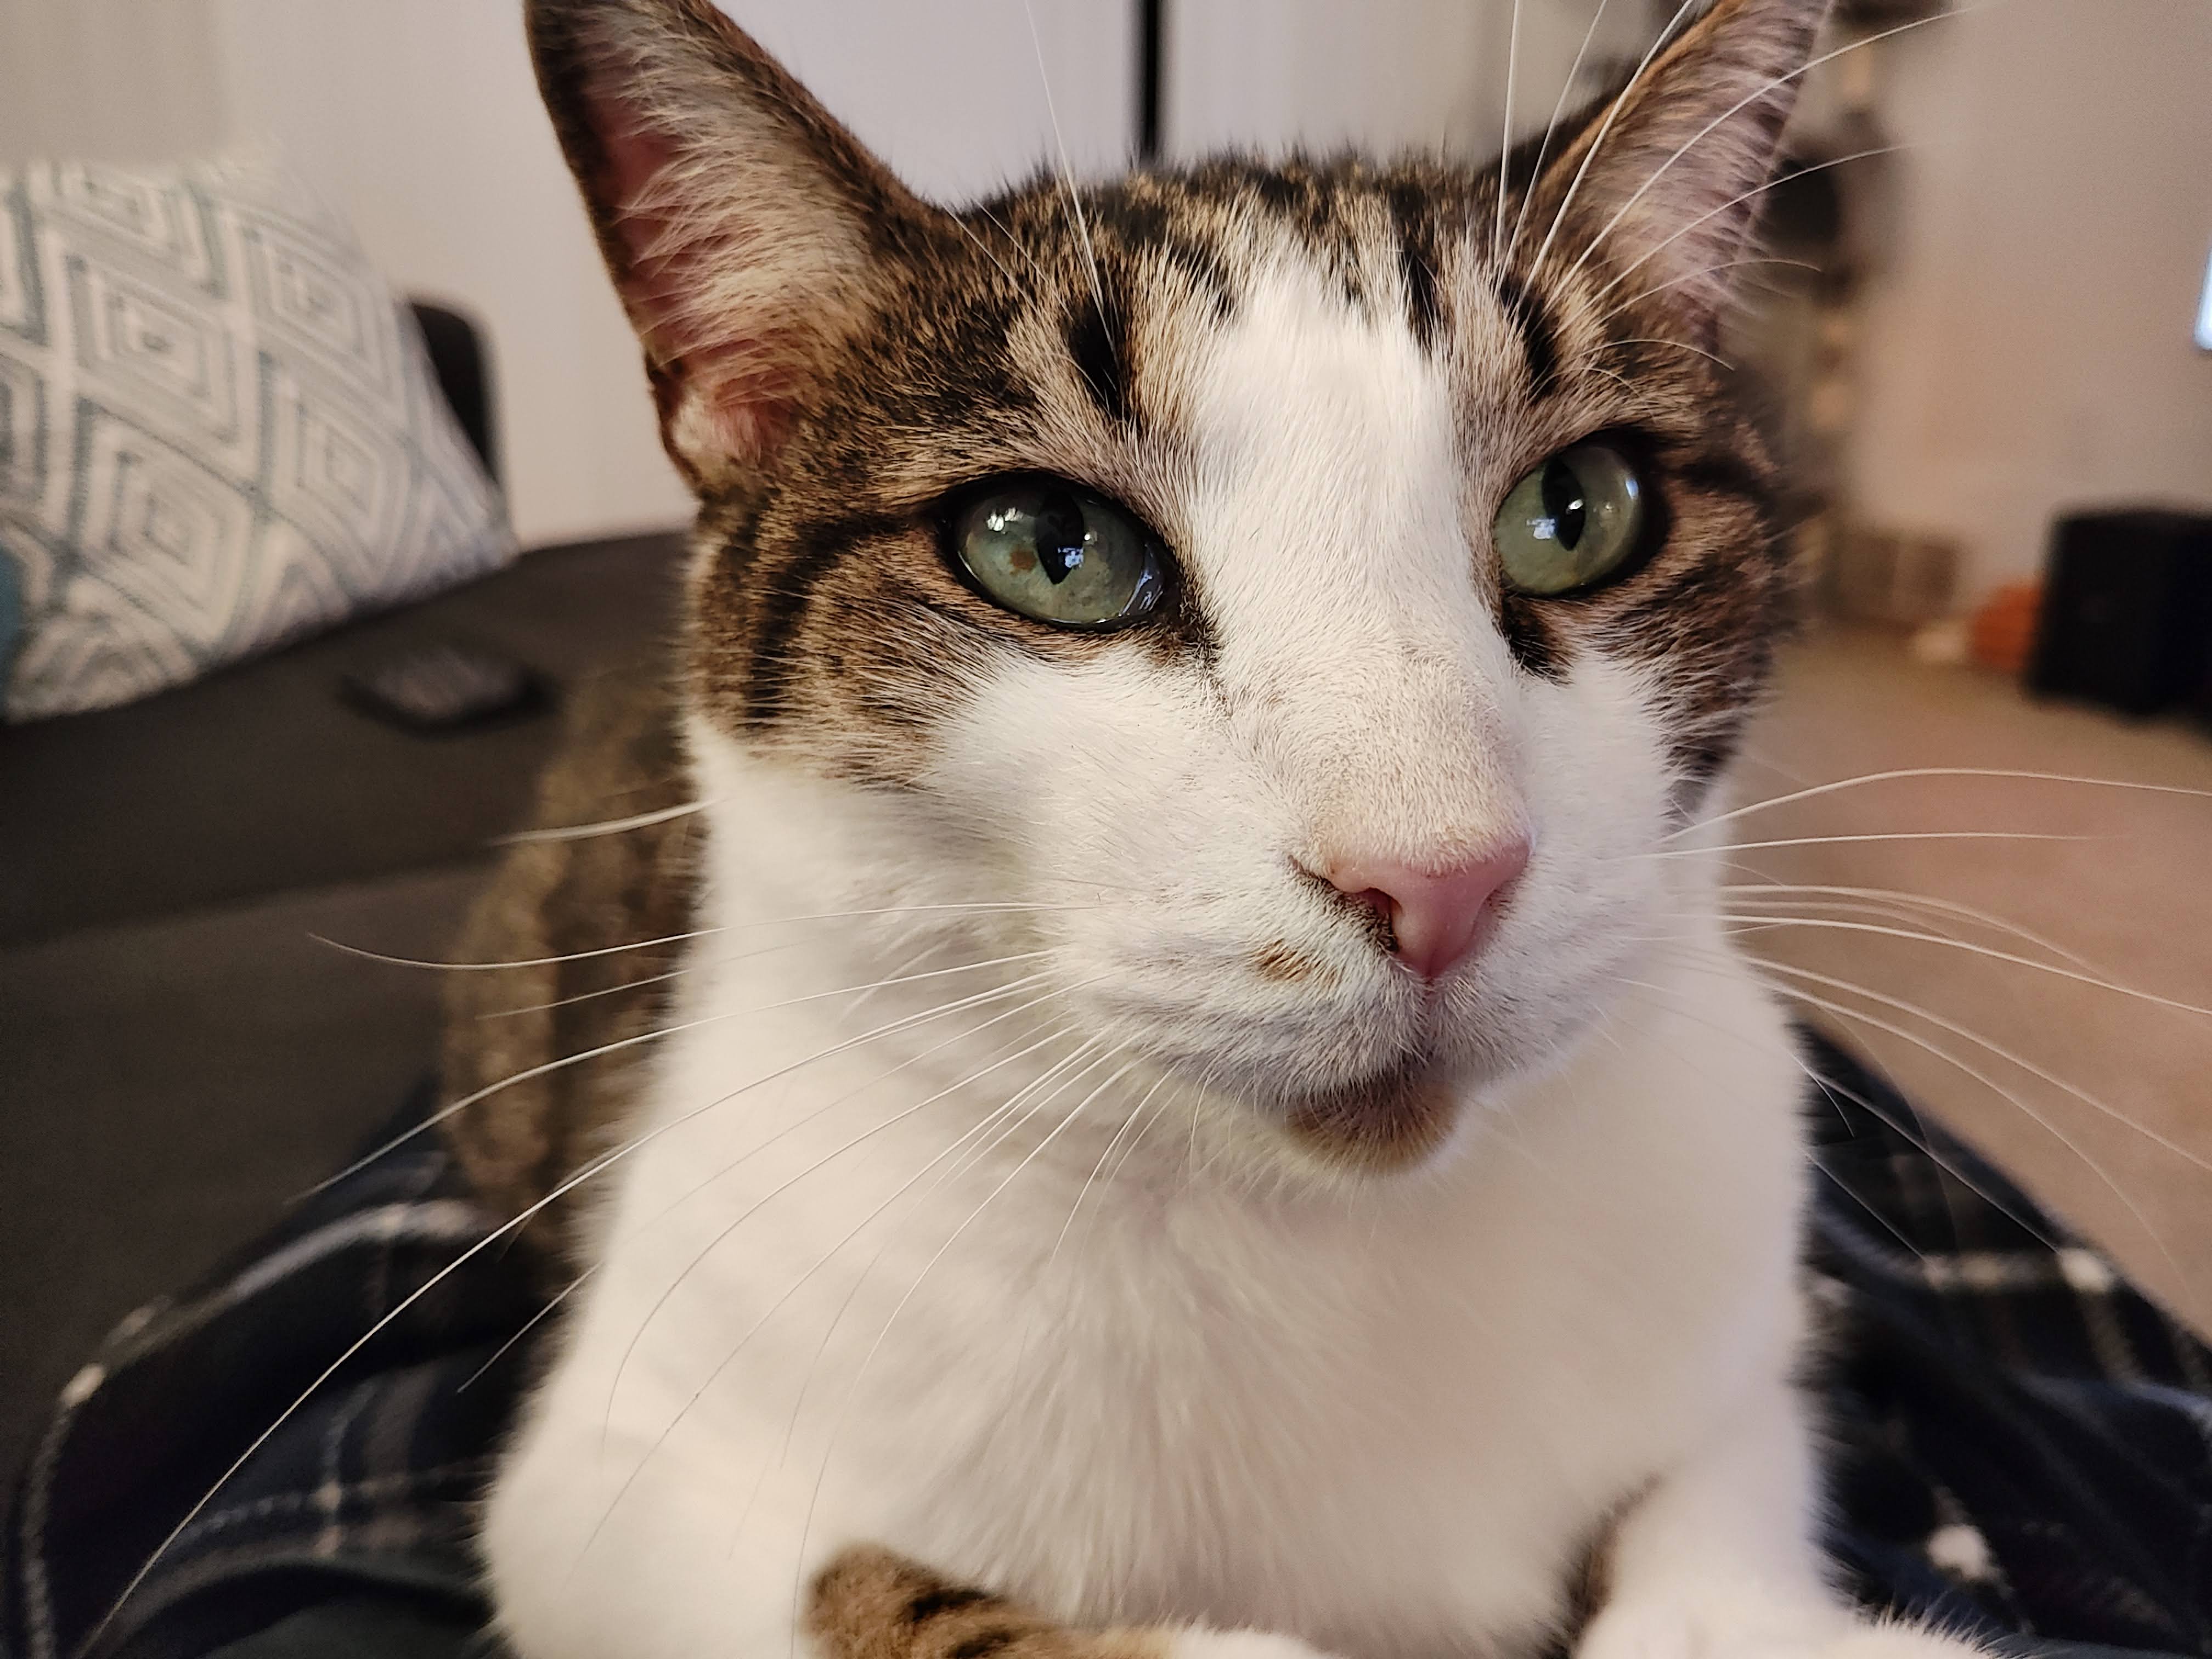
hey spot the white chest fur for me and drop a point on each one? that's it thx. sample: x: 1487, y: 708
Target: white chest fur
x: 1387, y: 1423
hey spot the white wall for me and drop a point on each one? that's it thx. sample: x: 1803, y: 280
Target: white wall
x: 420, y: 118
x: 1384, y: 74
x: 109, y: 79
x: 2029, y: 348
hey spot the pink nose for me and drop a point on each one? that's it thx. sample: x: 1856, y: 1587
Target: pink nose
x: 1436, y: 916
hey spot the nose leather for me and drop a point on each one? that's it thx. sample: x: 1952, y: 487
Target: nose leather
x: 1438, y: 913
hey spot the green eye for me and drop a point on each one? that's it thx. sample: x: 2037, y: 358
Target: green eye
x: 1572, y: 523
x: 1059, y: 554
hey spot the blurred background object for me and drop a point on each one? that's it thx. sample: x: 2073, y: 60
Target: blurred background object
x: 1991, y: 253
x: 2126, y: 618
x: 2003, y: 634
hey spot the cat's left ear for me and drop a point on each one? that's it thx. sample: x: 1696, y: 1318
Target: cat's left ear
x: 749, y: 233
x: 1665, y: 178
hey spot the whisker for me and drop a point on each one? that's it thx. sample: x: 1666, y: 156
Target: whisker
x: 1842, y: 840
x: 678, y: 939
x: 595, y: 1168
x: 522, y: 962
x: 1143, y: 1101
x: 806, y: 1527
x: 1918, y: 1138
x: 969, y: 231
x: 1779, y: 179
x: 905, y: 963
x: 607, y: 827
x: 1605, y: 131
x: 801, y: 1122
x: 1819, y: 789
x: 1099, y: 1054
x: 1552, y: 127
x: 546, y: 1067
x: 528, y: 1325
x: 570, y: 1001
x: 1903, y: 901
x: 1679, y: 345
x: 1737, y: 108
x: 1000, y: 225
x: 1505, y: 143
x: 1969, y: 946
x: 2096, y: 1168
x: 808, y: 1117
x: 1067, y: 170
x: 1830, y: 1087
x: 729, y: 1359
x: 649, y: 979
x: 1151, y: 1117
x: 1619, y: 379
x: 1996, y: 1048
x: 1819, y: 1079
x: 1744, y: 926
x: 1634, y: 301
x: 852, y: 1291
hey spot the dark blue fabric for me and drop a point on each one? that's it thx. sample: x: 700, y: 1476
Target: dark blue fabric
x: 2022, y: 1443
x: 367, y: 1488
x: 1997, y: 1391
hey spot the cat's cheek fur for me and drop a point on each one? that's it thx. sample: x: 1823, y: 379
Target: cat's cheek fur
x: 1160, y: 840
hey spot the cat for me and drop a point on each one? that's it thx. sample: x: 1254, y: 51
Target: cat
x: 1166, y: 1106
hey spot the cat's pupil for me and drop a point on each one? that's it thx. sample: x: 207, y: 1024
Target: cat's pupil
x: 1563, y: 502
x: 1060, y: 537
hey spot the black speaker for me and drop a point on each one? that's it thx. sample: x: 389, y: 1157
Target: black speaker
x: 2127, y: 609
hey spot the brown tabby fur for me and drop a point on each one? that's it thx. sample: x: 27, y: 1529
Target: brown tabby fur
x: 550, y: 901
x: 870, y: 1604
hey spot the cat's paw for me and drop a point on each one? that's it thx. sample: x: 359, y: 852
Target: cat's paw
x: 1892, y: 1638
x: 1670, y: 1632
x: 1196, y: 1643
x: 869, y: 1603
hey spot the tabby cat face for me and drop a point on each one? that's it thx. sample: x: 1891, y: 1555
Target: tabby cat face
x: 1187, y: 552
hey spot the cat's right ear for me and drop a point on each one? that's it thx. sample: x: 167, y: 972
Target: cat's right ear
x: 747, y: 231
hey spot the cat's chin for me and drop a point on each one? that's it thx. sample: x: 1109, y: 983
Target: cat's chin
x: 1379, y: 1125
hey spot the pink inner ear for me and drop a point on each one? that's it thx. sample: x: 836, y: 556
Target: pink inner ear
x: 720, y: 385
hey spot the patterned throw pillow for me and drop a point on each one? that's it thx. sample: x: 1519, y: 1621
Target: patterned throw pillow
x: 218, y: 432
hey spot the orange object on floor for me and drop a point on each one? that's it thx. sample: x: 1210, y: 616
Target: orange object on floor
x: 2002, y: 637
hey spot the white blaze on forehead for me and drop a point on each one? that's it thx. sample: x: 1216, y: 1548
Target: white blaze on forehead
x: 1328, y: 534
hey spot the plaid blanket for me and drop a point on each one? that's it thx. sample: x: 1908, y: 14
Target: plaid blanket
x: 2022, y: 1443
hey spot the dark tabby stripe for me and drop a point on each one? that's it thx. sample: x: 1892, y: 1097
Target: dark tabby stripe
x: 1149, y: 214
x: 1411, y: 219
x: 1098, y: 339
x: 787, y: 591
x: 1721, y: 472
x: 1530, y: 636
x: 1539, y: 339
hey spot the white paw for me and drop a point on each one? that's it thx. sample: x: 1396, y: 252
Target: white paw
x: 1667, y: 1630
x: 1197, y: 1642
x: 1892, y: 1639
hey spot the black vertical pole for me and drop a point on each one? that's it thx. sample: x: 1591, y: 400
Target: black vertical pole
x: 1149, y: 48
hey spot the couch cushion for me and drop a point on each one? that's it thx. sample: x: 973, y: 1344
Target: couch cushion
x: 262, y: 778
x: 218, y: 431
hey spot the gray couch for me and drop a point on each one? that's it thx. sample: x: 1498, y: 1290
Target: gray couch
x: 179, y: 1055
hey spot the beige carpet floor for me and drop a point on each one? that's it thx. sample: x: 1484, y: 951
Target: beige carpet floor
x: 2099, y: 1103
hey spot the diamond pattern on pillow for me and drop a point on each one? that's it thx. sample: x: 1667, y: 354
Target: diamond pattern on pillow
x: 218, y: 432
